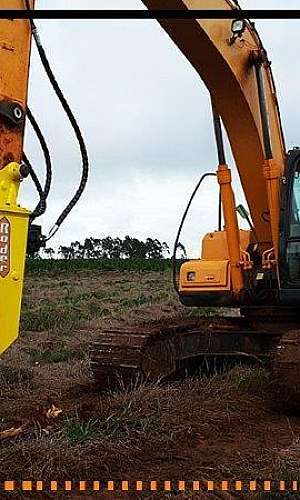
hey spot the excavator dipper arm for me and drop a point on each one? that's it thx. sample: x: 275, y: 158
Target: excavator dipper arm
x: 15, y: 43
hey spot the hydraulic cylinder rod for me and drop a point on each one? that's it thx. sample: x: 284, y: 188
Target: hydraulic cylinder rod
x: 220, y: 151
x: 271, y: 169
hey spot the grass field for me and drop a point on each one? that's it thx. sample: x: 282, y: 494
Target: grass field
x: 220, y: 428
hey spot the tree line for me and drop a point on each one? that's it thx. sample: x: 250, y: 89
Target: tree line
x: 115, y: 248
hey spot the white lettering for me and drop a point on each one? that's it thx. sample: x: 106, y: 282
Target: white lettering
x: 4, y: 228
x: 4, y: 247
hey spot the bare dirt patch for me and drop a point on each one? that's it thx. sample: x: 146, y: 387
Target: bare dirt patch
x: 217, y: 428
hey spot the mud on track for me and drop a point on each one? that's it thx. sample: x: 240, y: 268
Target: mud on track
x: 217, y: 428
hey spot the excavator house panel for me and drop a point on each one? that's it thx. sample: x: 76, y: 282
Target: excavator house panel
x: 197, y: 275
x: 214, y: 244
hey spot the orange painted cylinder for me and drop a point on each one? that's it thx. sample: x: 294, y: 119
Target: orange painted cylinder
x: 272, y: 174
x: 231, y: 227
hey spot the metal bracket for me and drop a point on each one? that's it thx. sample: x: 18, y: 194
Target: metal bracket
x: 13, y: 111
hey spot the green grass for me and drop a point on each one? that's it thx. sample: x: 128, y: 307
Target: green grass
x: 78, y: 432
x: 254, y: 380
x: 51, y: 356
x: 126, y: 422
x: 10, y: 375
x: 61, y: 265
x: 52, y: 317
x: 217, y: 427
x: 74, y: 303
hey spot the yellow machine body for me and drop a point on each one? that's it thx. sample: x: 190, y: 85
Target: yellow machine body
x: 211, y: 273
x: 13, y: 240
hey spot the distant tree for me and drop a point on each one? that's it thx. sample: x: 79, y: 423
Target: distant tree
x: 49, y: 252
x: 76, y: 249
x: 181, y: 251
x: 132, y: 248
x: 111, y: 248
x: 66, y: 252
x: 34, y: 256
x: 88, y: 248
x: 97, y: 248
x: 114, y: 248
x: 156, y: 249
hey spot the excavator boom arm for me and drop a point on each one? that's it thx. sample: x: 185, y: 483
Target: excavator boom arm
x: 229, y: 71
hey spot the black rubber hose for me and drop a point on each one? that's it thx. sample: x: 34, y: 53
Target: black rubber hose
x: 174, y: 258
x: 41, y: 207
x: 75, y: 126
x: 220, y: 150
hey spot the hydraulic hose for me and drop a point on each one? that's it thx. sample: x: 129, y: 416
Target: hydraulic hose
x: 174, y: 258
x: 38, y: 186
x: 75, y: 126
x: 40, y: 209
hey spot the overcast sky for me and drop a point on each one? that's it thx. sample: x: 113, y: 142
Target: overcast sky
x: 146, y: 118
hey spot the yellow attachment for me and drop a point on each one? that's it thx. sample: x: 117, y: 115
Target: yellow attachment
x: 13, y: 240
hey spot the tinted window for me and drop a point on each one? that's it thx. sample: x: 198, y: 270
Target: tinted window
x: 293, y: 259
x: 295, y: 207
x: 293, y: 247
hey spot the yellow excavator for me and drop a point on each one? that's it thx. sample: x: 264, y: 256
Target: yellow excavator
x: 257, y: 270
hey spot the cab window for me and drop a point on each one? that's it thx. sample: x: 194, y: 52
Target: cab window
x: 295, y: 207
x: 293, y: 247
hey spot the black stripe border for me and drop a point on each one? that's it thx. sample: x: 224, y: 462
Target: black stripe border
x: 150, y: 14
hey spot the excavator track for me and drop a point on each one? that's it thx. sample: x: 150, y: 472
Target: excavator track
x: 285, y: 368
x: 124, y: 357
x: 285, y: 360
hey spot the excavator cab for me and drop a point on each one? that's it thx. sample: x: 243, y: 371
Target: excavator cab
x: 289, y: 263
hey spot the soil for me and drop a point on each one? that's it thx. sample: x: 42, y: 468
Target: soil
x: 222, y: 427
x: 285, y: 371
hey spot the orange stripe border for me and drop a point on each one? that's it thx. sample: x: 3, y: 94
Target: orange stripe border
x: 267, y: 485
